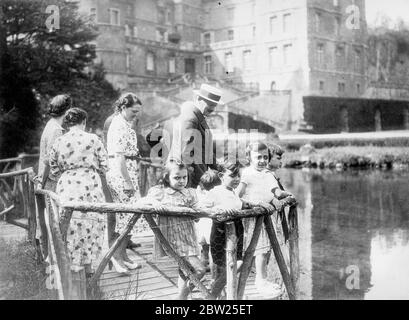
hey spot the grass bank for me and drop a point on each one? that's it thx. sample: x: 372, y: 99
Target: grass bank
x: 365, y: 157
x: 21, y: 277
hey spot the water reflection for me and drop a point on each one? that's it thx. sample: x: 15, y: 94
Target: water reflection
x: 354, y: 233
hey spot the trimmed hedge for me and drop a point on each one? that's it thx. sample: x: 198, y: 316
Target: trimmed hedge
x: 325, y: 116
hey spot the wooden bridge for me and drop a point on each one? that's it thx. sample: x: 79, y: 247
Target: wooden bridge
x: 158, y: 277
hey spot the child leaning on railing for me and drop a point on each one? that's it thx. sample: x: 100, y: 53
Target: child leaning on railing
x: 179, y: 231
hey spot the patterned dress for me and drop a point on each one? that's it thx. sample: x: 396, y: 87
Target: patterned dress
x: 179, y: 231
x: 122, y: 140
x: 79, y: 158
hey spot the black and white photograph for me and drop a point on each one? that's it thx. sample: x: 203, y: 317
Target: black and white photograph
x: 228, y: 152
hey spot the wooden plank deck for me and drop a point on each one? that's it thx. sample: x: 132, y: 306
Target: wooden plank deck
x: 157, y: 280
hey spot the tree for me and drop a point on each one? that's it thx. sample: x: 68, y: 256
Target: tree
x: 46, y: 54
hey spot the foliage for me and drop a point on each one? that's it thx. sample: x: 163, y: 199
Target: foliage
x: 351, y: 156
x: 324, y: 114
x: 39, y: 63
x: 20, y: 270
x: 388, y: 54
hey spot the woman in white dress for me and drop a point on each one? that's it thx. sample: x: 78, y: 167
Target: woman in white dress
x: 123, y: 173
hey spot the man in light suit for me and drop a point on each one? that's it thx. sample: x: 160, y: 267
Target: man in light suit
x: 192, y: 140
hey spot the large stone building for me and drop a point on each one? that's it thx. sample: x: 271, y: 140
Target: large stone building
x: 297, y: 47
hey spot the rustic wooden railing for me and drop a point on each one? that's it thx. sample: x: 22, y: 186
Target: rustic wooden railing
x: 17, y: 195
x: 235, y: 289
x: 57, y: 220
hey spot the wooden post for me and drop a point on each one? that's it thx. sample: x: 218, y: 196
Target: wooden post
x: 279, y: 257
x: 32, y: 221
x: 248, y: 258
x: 79, y: 287
x: 183, y: 264
x: 61, y: 252
x: 294, y: 249
x: 231, y: 261
x: 94, y: 279
x: 64, y: 223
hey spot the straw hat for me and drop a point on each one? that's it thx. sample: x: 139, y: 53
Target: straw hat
x: 209, y: 93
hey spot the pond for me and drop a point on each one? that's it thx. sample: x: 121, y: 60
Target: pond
x: 354, y: 233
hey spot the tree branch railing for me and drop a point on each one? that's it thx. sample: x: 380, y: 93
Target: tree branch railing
x: 57, y: 220
x: 17, y: 192
x: 236, y: 289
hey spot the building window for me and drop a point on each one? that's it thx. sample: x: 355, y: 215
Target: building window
x: 357, y: 61
x: 93, y: 15
x: 341, y: 87
x: 208, y: 65
x: 172, y: 65
x: 150, y: 62
x: 128, y: 59
x: 127, y: 31
x: 321, y: 85
x: 228, y: 62
x: 230, y: 14
x: 254, y: 31
x: 288, y: 48
x: 247, y: 62
x: 230, y: 34
x: 287, y: 23
x: 340, y: 57
x: 135, y: 31
x: 337, y: 26
x: 273, y: 57
x: 273, y: 25
x: 129, y: 11
x: 207, y: 38
x: 320, y: 54
x: 317, y: 22
x: 161, y: 16
x: 114, y: 17
x: 168, y: 19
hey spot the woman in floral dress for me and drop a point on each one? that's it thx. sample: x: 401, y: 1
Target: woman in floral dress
x: 79, y: 158
x: 123, y: 173
x: 53, y: 130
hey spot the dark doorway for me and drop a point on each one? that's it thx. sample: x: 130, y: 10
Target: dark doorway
x: 190, y: 65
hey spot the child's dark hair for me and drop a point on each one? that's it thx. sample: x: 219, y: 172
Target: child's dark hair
x: 209, y: 180
x: 229, y: 166
x: 275, y: 149
x: 171, y: 164
x: 257, y: 147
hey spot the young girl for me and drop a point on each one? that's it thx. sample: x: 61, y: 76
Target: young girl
x: 179, y: 231
x: 256, y: 187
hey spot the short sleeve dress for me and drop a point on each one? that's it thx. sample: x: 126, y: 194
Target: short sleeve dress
x: 258, y: 189
x: 122, y: 140
x: 179, y: 231
x: 78, y: 158
x: 51, y: 132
